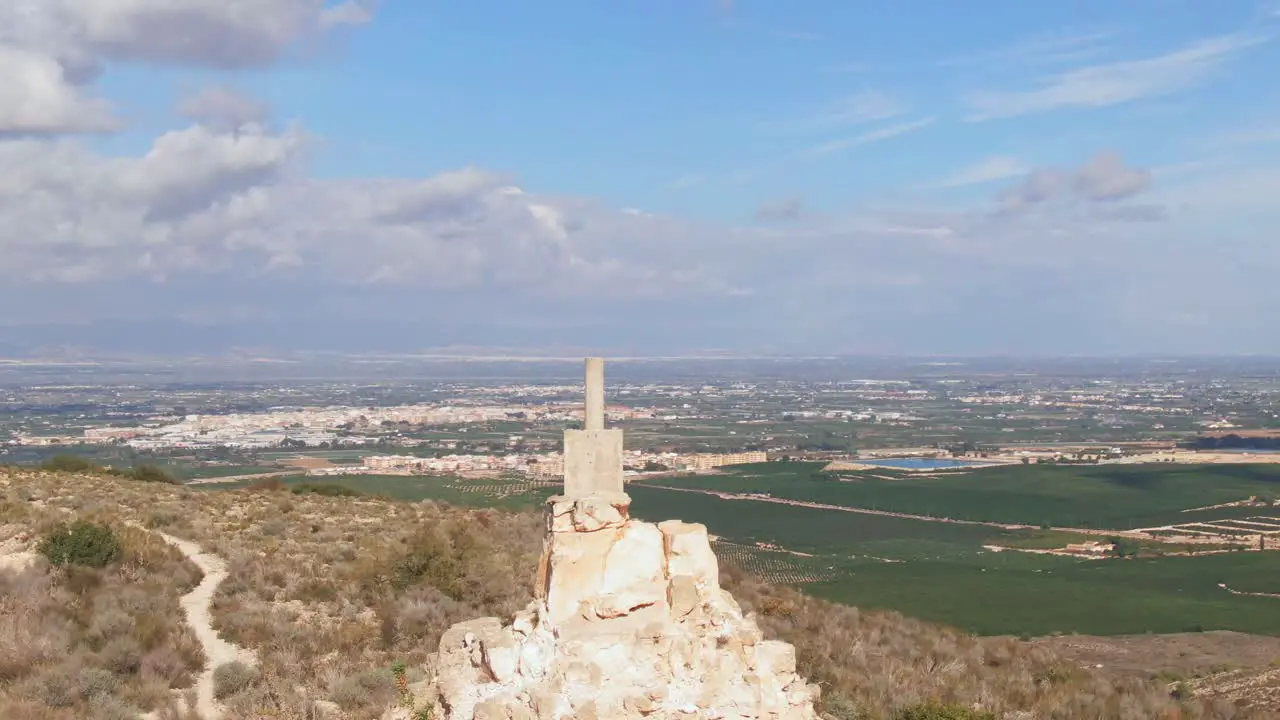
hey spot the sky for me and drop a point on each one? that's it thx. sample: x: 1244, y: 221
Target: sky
x: 640, y: 176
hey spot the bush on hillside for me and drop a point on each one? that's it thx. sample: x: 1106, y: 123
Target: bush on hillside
x: 81, y: 543
x: 267, y: 485
x: 326, y: 490
x: 68, y: 463
x: 150, y: 473
x: 230, y: 678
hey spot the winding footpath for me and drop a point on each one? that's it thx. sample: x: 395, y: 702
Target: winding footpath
x: 197, y: 605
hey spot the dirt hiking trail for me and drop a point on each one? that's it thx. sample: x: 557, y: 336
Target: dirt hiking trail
x: 196, y: 604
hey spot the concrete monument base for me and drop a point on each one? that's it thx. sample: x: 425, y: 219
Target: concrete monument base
x: 592, y: 462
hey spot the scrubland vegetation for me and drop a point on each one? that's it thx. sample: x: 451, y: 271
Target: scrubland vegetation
x: 340, y: 595
x: 77, y: 464
x: 90, y: 625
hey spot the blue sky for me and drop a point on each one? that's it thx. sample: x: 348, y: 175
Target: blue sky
x: 834, y: 176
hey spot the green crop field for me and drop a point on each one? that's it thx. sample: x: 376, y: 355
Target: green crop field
x: 933, y: 570
x: 827, y: 532
x: 940, y: 571
x: 193, y: 472
x: 1015, y: 593
x: 1089, y: 496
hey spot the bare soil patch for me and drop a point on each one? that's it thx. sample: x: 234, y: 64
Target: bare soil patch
x: 306, y: 462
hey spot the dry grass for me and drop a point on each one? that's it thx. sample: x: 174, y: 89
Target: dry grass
x: 79, y: 642
x: 330, y: 592
x: 872, y: 664
x: 1221, y: 665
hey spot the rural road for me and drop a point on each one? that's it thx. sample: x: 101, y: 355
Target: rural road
x: 885, y: 513
x: 823, y: 506
x: 196, y: 604
x: 237, y: 478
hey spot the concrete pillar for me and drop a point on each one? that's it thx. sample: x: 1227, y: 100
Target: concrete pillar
x: 595, y: 394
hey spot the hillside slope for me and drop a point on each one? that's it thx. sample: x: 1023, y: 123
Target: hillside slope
x: 332, y: 593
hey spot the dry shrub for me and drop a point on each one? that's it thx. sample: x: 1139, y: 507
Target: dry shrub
x: 266, y: 485
x: 111, y: 708
x: 178, y: 708
x: 30, y: 634
x: 231, y: 678
x: 367, y: 690
x: 878, y: 665
x: 73, y: 639
x: 17, y: 709
x: 383, y: 580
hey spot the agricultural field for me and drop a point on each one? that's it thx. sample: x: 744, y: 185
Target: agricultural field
x: 778, y: 567
x: 1016, y: 593
x: 826, y: 532
x: 185, y: 471
x: 941, y: 572
x: 937, y: 571
x: 1084, y: 496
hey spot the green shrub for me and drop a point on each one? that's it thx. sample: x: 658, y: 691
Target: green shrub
x: 151, y: 473
x: 81, y: 543
x: 68, y: 463
x: 230, y: 678
x: 326, y: 489
x: 316, y: 591
x: 431, y: 558
x: 939, y: 711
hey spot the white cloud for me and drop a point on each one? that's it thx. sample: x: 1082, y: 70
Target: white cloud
x: 1119, y: 82
x: 37, y: 97
x: 1040, y: 50
x: 1105, y: 178
x: 996, y: 167
x: 207, y: 203
x: 219, y: 222
x: 205, y: 215
x: 190, y: 170
x: 863, y: 107
x: 223, y: 107
x: 685, y: 182
x: 51, y: 49
x: 220, y: 33
x: 868, y: 137
x: 780, y: 210
x: 1258, y: 134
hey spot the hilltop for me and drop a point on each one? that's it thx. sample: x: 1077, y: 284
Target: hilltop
x: 338, y: 602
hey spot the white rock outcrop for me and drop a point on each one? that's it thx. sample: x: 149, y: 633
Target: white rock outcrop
x: 629, y: 621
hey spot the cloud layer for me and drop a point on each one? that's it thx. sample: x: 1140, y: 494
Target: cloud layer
x: 219, y: 222
x: 1119, y: 82
x: 50, y: 50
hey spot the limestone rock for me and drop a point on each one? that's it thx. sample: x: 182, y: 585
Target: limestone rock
x: 629, y: 622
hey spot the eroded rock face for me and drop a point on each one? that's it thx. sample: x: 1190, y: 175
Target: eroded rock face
x: 629, y: 622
